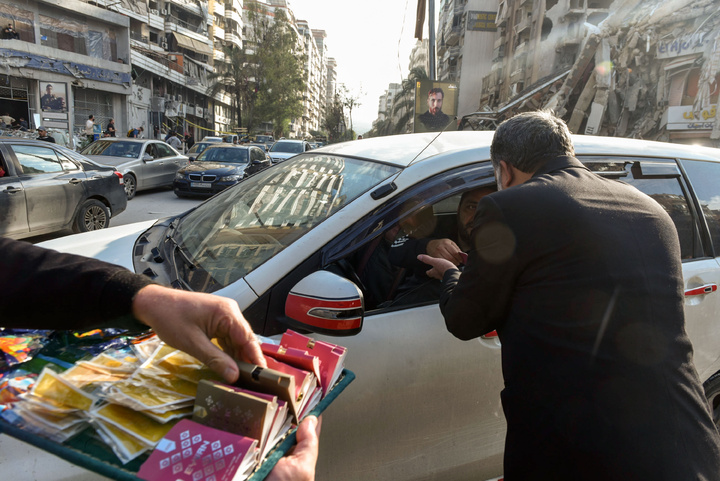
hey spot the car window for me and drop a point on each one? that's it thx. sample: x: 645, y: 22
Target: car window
x: 150, y: 150
x: 661, y: 180
x: 37, y: 160
x: 223, y: 154
x: 163, y: 150
x: 703, y: 177
x: 290, y: 147
x: 113, y: 148
x: 379, y: 254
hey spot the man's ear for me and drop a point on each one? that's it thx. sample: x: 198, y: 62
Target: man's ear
x: 506, y: 175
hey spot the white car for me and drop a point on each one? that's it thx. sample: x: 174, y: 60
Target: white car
x: 284, y: 149
x: 424, y: 405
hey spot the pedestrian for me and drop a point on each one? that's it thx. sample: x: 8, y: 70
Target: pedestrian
x: 581, y: 277
x: 43, y: 135
x: 23, y: 125
x: 170, y: 133
x: 7, y: 119
x: 89, y: 128
x: 111, y: 128
x: 175, y: 142
x: 184, y: 320
x: 189, y: 140
x: 156, y: 131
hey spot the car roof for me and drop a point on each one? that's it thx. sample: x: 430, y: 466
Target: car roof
x: 225, y: 145
x: 403, y: 150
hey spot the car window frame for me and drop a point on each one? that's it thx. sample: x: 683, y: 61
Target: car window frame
x: 12, y: 149
x: 159, y: 147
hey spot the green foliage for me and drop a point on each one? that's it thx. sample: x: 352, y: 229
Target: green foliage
x: 334, y: 119
x: 265, y: 78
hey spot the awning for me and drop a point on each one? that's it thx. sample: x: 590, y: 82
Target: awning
x: 191, y: 44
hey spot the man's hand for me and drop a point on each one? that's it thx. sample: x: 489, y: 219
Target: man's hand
x: 439, y: 266
x: 445, y: 249
x: 299, y: 465
x: 188, y: 320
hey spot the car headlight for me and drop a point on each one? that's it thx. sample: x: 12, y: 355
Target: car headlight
x: 230, y: 178
x: 179, y: 175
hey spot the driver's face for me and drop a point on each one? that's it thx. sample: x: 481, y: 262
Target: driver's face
x: 434, y: 102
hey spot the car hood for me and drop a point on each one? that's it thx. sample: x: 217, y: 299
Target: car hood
x: 110, y: 160
x: 214, y: 167
x: 114, y: 245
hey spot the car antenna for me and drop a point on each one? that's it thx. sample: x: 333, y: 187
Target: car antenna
x: 390, y: 187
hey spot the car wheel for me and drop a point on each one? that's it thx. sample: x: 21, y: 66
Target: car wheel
x: 130, y: 186
x: 712, y: 393
x: 92, y: 215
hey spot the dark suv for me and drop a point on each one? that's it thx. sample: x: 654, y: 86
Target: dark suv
x: 47, y: 188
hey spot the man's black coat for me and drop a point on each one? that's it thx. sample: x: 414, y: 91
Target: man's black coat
x: 582, y: 279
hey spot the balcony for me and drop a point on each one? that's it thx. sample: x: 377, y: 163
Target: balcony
x: 498, y: 54
x: 233, y: 38
x: 452, y: 36
x: 521, y: 49
x: 500, y: 42
x: 523, y: 25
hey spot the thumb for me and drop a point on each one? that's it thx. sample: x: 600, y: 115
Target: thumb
x: 214, y: 358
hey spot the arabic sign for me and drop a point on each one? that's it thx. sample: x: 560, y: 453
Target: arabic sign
x: 685, y: 45
x: 684, y: 118
x: 481, y: 21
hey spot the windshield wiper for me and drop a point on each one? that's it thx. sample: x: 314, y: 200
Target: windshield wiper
x: 181, y: 249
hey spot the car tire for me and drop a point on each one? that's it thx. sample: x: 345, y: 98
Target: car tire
x: 712, y: 393
x: 130, y: 185
x: 92, y: 215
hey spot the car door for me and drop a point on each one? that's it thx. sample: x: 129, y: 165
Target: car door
x: 663, y: 180
x: 152, y: 169
x: 13, y: 210
x: 258, y: 161
x: 168, y: 161
x: 418, y: 394
x: 53, y: 186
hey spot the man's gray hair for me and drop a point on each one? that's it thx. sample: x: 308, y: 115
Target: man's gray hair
x: 524, y: 140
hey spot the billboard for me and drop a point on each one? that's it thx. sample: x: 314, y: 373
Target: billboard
x: 435, y: 106
x: 53, y: 97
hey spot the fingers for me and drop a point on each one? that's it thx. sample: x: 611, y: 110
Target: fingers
x: 445, y: 249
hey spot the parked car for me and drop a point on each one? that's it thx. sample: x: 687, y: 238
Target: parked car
x: 48, y: 188
x: 217, y: 168
x: 197, y: 149
x: 284, y: 149
x: 424, y: 405
x: 212, y: 139
x: 266, y: 140
x: 144, y: 163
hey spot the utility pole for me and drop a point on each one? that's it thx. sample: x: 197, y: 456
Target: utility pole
x: 431, y: 40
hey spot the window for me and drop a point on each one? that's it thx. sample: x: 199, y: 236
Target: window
x: 704, y: 177
x: 661, y: 180
x: 380, y: 254
x: 38, y: 160
x: 164, y: 150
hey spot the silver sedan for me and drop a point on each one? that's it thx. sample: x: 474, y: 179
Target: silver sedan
x: 144, y: 163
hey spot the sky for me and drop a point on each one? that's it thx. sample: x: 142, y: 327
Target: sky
x: 371, y: 42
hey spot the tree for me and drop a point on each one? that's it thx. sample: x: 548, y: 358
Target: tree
x: 236, y: 76
x: 334, y: 119
x: 280, y: 92
x: 349, y: 102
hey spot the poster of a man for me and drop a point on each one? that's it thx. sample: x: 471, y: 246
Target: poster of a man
x: 438, y: 100
x: 53, y: 99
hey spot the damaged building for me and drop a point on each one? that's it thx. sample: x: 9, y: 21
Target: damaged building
x: 641, y: 69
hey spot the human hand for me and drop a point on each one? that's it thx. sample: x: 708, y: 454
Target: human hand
x: 439, y: 266
x: 299, y: 465
x: 188, y: 320
x: 445, y: 249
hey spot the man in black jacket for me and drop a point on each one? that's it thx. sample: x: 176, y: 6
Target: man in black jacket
x: 44, y: 289
x: 581, y: 277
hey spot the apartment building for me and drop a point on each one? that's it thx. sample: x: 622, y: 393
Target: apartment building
x: 465, y: 41
x: 69, y: 60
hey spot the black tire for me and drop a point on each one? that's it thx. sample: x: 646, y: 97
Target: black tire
x: 712, y: 393
x: 92, y: 215
x: 130, y: 185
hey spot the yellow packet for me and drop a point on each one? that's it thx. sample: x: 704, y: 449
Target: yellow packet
x: 81, y: 375
x: 173, y: 414
x: 136, y: 424
x: 125, y: 446
x: 142, y: 396
x: 51, y: 385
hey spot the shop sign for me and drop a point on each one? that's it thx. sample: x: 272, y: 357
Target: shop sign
x: 685, y: 45
x: 684, y: 118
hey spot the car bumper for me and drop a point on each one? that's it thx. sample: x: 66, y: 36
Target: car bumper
x: 183, y: 187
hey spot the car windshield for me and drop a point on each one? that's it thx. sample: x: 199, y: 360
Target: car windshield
x: 198, y: 147
x: 113, y: 148
x: 233, y: 155
x: 291, y: 147
x: 242, y: 227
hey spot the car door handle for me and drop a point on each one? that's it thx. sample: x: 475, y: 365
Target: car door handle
x: 699, y: 291
x: 13, y: 190
x: 74, y: 181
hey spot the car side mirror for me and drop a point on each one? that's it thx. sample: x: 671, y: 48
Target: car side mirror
x: 326, y: 303
x: 147, y: 157
x: 192, y: 158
